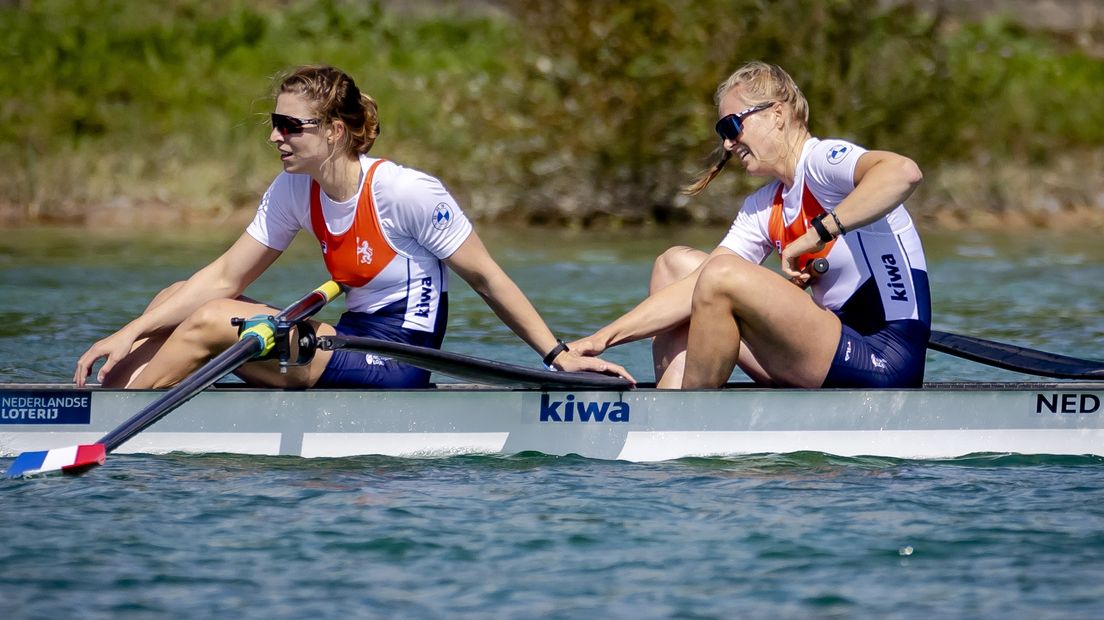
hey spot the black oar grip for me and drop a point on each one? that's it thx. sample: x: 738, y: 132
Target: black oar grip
x: 818, y: 265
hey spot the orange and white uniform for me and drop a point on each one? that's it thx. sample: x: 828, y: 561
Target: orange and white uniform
x: 389, y: 250
x: 877, y: 282
x: 387, y: 243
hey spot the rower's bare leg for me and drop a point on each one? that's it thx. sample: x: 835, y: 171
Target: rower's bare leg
x: 208, y: 332
x: 144, y: 349
x: 751, y: 366
x: 669, y: 348
x: 124, y: 372
x: 793, y: 339
x: 127, y: 369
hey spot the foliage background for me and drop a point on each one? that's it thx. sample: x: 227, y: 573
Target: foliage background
x: 585, y: 113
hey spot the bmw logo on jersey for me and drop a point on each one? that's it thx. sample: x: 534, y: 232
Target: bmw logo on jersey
x: 838, y: 153
x: 442, y: 216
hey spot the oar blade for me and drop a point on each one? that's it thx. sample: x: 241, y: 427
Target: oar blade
x: 1016, y: 358
x: 70, y: 460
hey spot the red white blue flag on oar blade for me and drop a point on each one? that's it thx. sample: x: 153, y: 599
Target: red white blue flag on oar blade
x: 71, y: 460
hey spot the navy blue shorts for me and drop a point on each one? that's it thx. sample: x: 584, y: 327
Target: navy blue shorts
x: 357, y: 369
x: 892, y: 357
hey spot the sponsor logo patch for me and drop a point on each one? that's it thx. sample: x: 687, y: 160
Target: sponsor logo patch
x: 571, y: 410
x: 442, y: 216
x: 896, y: 284
x: 838, y: 153
x: 422, y: 308
x: 45, y: 407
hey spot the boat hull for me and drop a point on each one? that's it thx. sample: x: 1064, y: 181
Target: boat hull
x: 938, y: 421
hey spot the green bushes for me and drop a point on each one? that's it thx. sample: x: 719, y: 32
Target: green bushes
x: 568, y: 111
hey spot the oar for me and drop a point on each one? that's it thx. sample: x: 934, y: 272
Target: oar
x: 474, y: 368
x: 1017, y: 358
x: 255, y: 341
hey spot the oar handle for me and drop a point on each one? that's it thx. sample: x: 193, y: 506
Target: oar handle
x: 312, y: 302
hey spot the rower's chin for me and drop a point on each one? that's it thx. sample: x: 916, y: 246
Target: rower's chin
x: 752, y: 166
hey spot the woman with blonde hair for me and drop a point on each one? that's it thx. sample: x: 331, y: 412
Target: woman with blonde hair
x: 387, y: 232
x: 868, y: 318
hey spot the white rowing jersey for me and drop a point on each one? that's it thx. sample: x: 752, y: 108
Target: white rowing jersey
x: 876, y: 274
x: 414, y: 214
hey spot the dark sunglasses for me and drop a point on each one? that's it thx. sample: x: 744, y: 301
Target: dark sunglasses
x: 288, y: 125
x: 730, y: 127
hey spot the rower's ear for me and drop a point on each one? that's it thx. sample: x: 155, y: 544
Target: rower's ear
x: 336, y: 132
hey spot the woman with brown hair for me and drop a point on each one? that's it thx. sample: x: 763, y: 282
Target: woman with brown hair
x: 387, y: 232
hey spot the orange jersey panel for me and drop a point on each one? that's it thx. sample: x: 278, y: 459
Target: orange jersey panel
x: 782, y: 234
x: 362, y: 252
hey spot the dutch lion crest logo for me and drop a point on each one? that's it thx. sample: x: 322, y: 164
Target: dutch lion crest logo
x: 364, y: 252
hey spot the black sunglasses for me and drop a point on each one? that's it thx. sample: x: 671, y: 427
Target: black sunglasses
x: 288, y: 125
x: 730, y: 127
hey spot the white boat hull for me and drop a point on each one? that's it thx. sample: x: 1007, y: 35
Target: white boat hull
x: 939, y: 421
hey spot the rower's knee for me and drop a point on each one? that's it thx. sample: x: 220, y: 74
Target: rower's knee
x: 673, y: 265
x: 210, y: 323
x: 722, y: 277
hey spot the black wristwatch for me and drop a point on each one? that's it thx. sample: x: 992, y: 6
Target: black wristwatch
x: 555, y: 352
x: 822, y: 230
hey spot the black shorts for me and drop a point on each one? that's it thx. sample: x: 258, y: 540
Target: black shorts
x: 892, y: 357
x: 356, y: 369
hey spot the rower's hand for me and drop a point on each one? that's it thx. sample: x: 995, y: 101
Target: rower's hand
x: 114, y: 348
x: 573, y: 361
x: 589, y: 346
x: 805, y: 244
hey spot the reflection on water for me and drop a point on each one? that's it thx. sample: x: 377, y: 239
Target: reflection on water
x: 62, y: 289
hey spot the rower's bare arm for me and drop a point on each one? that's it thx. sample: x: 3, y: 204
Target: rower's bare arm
x: 663, y: 310
x: 474, y: 264
x: 224, y: 278
x: 883, y: 180
x: 227, y: 276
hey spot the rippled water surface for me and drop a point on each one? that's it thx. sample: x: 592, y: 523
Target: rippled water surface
x: 795, y: 535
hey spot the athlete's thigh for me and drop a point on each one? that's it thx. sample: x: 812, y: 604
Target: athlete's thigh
x: 792, y: 338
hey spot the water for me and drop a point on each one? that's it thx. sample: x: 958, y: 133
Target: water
x: 793, y: 535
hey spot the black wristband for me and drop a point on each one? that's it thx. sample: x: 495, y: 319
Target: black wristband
x: 838, y: 225
x: 821, y: 229
x: 556, y: 350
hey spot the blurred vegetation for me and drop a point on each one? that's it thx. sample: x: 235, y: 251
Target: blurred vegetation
x: 570, y: 111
